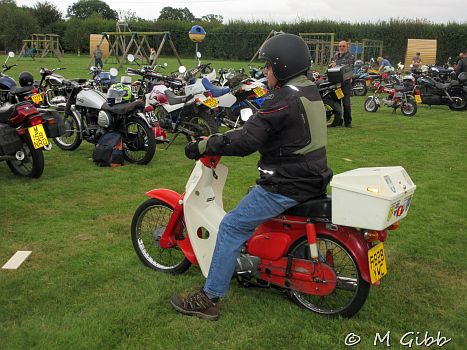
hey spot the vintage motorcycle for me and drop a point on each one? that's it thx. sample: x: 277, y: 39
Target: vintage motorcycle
x: 324, y: 260
x: 24, y: 133
x: 6, y: 83
x: 89, y: 114
x: 397, y: 97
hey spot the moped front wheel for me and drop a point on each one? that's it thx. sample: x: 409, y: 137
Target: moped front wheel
x: 351, y: 289
x: 371, y: 105
x: 148, y: 225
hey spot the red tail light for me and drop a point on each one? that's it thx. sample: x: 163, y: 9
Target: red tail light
x: 392, y: 92
x: 248, y: 82
x: 208, y: 93
x: 372, y: 235
x: 149, y: 108
x: 36, y: 120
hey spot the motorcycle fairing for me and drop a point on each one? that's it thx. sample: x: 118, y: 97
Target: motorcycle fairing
x: 203, y: 208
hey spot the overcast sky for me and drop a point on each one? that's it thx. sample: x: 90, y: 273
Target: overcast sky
x: 439, y: 11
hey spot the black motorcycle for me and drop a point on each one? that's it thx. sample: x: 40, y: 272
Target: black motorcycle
x: 452, y: 94
x: 331, y: 93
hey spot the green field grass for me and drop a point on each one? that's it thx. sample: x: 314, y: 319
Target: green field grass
x: 84, y: 288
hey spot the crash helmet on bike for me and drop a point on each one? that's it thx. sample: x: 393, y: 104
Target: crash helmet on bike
x: 287, y: 54
x: 462, y: 77
x: 408, y: 80
x: 118, y: 93
x: 358, y: 63
x: 25, y: 79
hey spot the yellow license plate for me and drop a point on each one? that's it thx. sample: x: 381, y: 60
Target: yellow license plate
x: 368, y: 83
x: 259, y: 91
x: 377, y: 262
x: 211, y: 102
x: 418, y: 99
x: 339, y: 93
x: 37, y: 98
x: 38, y: 136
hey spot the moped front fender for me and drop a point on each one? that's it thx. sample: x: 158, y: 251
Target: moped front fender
x: 175, y: 200
x: 354, y: 242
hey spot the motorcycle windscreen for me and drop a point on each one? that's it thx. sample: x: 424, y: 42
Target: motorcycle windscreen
x: 204, y: 210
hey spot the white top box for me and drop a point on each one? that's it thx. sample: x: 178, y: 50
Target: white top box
x: 371, y: 198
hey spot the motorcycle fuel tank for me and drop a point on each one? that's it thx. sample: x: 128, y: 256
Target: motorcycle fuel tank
x: 91, y: 98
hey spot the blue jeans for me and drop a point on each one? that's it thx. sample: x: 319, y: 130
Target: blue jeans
x: 235, y: 229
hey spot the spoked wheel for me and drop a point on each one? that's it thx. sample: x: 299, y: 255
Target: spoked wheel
x: 201, y: 125
x: 71, y: 139
x: 351, y: 290
x: 409, y: 108
x: 32, y: 164
x: 139, y: 145
x: 148, y: 225
x: 359, y: 88
x: 371, y: 105
x: 333, y: 109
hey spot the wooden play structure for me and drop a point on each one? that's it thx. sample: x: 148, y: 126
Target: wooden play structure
x: 42, y: 45
x: 426, y: 47
x: 324, y: 45
x: 124, y: 42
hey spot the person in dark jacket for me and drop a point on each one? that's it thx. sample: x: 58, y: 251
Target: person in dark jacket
x: 290, y: 134
x: 462, y: 64
x: 344, y: 57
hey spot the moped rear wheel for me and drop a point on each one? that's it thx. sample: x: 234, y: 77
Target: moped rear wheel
x: 148, y: 225
x: 203, y: 124
x: 351, y: 290
x: 139, y: 144
x: 71, y: 139
x: 32, y: 165
x: 409, y: 108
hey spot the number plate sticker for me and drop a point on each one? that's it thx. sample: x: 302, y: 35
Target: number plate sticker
x: 38, y: 136
x: 37, y: 98
x: 259, y: 91
x: 339, y: 93
x: 211, y: 102
x: 418, y: 99
x: 377, y: 263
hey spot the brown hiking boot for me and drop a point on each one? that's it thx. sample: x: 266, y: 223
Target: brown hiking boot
x: 196, y: 303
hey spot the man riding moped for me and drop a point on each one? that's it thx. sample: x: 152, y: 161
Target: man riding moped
x: 290, y: 134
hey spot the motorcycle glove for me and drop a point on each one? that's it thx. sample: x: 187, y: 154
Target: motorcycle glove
x: 192, y: 150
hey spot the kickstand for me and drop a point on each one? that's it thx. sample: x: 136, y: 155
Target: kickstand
x: 172, y: 141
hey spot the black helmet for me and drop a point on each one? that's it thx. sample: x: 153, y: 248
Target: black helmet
x: 288, y: 55
x: 26, y: 79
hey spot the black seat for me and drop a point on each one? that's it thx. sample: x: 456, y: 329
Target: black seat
x: 443, y: 86
x: 216, y: 91
x: 21, y: 90
x: 401, y: 88
x: 175, y: 99
x: 124, y: 108
x: 6, y: 111
x: 319, y: 207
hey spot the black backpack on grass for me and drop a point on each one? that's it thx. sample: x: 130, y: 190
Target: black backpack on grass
x: 109, y: 150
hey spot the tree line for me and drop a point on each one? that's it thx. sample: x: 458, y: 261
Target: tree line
x: 237, y: 40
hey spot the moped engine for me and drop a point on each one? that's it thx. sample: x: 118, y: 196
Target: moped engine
x: 247, y: 265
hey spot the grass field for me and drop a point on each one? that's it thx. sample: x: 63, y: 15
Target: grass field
x: 84, y: 288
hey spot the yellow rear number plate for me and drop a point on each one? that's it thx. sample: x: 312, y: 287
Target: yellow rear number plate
x: 211, y: 102
x: 339, y: 93
x: 259, y: 91
x: 377, y: 263
x: 38, y: 136
x: 37, y: 98
x: 418, y: 99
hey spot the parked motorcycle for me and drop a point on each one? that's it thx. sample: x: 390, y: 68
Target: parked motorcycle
x: 324, y: 264
x: 398, y: 97
x: 331, y: 93
x: 6, y: 83
x: 89, y: 114
x: 452, y: 94
x: 24, y: 133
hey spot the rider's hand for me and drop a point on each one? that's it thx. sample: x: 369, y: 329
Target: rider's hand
x: 192, y: 150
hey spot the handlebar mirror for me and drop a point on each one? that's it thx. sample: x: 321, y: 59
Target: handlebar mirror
x: 246, y: 113
x: 130, y: 58
x: 11, y: 54
x: 198, y: 54
x: 182, y: 69
x: 113, y: 72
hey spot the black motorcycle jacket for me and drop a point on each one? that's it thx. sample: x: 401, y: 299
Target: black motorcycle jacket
x: 290, y: 134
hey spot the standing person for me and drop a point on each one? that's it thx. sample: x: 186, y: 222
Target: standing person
x: 462, y: 64
x: 344, y: 57
x: 290, y: 133
x: 416, y: 61
x: 97, y: 53
x: 152, y: 57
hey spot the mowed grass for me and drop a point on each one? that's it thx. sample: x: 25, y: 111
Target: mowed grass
x: 84, y: 288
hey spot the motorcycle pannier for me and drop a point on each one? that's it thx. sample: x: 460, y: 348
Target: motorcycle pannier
x: 53, y: 123
x: 109, y: 150
x: 371, y: 198
x: 339, y: 74
x: 10, y: 142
